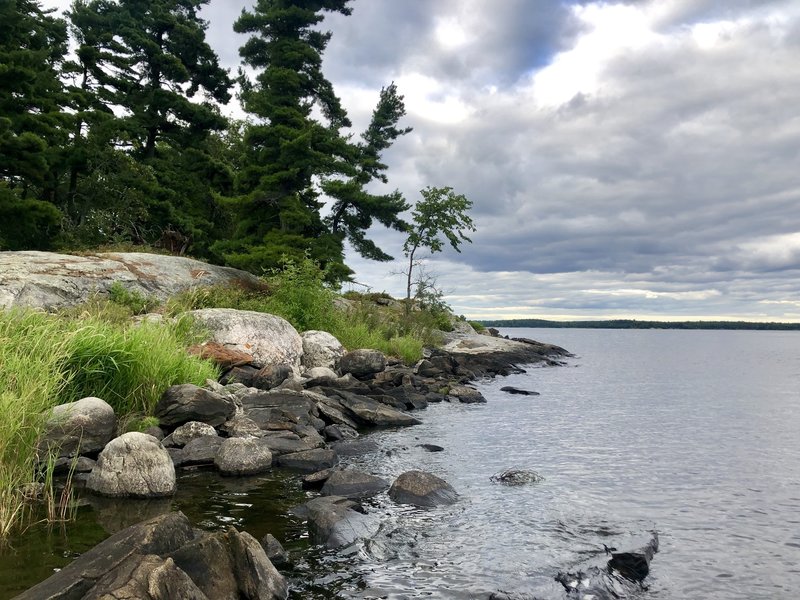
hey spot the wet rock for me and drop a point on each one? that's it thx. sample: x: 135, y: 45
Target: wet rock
x: 275, y: 551
x: 268, y: 338
x: 515, y: 477
x: 513, y: 390
x: 321, y: 349
x: 187, y: 402
x: 308, y: 461
x: 133, y: 465
x: 147, y: 577
x: 243, y: 456
x: 362, y: 363
x: 430, y: 447
x: 159, y: 536
x: 422, y: 489
x: 353, y: 484
x: 635, y: 564
x: 466, y: 394
x: 315, y: 481
x: 81, y: 427
x: 337, y: 433
x: 255, y: 574
x: 333, y: 522
x: 188, y: 432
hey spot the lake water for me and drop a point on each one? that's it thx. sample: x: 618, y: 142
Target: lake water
x: 693, y: 434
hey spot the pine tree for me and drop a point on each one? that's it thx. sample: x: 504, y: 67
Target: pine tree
x: 32, y: 43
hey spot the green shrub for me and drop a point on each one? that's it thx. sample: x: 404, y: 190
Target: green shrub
x: 477, y: 326
x: 137, y: 302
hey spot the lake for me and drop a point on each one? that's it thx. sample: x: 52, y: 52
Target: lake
x: 693, y: 434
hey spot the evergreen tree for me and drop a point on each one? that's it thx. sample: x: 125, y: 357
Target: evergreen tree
x: 32, y: 43
x: 148, y: 61
x: 354, y: 209
x: 278, y: 206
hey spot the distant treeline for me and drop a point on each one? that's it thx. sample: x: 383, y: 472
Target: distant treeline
x: 634, y: 324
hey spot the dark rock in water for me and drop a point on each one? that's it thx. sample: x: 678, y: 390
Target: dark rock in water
x: 243, y: 456
x: 430, y: 447
x: 354, y: 484
x: 315, y: 481
x: 512, y: 390
x: 516, y: 477
x: 187, y: 402
x: 275, y: 551
x: 369, y: 412
x: 150, y: 577
x: 635, y: 565
x: 466, y: 394
x: 308, y: 461
x: 422, y: 489
x: 159, y: 536
x: 620, y: 578
x: 334, y: 521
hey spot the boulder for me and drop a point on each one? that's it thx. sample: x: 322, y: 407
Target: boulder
x: 369, y: 412
x: 354, y: 484
x: 268, y: 338
x: 337, y: 433
x: 332, y: 521
x: 255, y: 574
x: 81, y: 427
x: 188, y: 432
x: 133, y: 465
x: 422, y: 489
x: 275, y: 551
x: 199, y: 451
x: 308, y: 461
x: 321, y: 349
x: 159, y: 536
x: 271, y: 376
x: 243, y: 456
x: 147, y: 577
x: 466, y: 394
x: 187, y: 402
x: 514, y: 390
x: 362, y: 363
x: 315, y: 481
x: 49, y: 281
x: 75, y: 464
x: 241, y: 426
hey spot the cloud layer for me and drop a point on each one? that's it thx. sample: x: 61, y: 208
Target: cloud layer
x: 624, y: 159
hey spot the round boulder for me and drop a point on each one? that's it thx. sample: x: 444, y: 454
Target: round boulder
x: 269, y: 339
x: 422, y: 489
x: 133, y: 465
x: 81, y: 427
x: 321, y: 349
x: 243, y: 456
x: 363, y: 363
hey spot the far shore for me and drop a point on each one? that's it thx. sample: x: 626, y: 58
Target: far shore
x: 636, y: 324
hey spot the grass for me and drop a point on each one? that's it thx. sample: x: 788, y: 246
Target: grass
x: 48, y: 360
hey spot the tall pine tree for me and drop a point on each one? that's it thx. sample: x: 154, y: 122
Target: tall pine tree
x: 32, y: 44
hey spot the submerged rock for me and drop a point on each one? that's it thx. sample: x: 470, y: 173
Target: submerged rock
x: 516, y: 477
x: 422, y: 489
x: 513, y: 390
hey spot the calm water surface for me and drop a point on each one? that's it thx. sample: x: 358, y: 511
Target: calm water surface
x: 694, y: 434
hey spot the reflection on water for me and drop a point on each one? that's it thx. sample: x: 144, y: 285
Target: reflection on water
x: 691, y: 434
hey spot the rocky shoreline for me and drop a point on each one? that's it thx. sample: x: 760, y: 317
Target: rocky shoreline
x: 284, y: 401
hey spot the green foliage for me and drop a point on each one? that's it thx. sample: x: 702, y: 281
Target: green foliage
x: 440, y: 218
x: 477, y: 326
x: 49, y: 359
x: 137, y: 302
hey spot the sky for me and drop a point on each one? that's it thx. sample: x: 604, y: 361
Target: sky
x: 635, y: 159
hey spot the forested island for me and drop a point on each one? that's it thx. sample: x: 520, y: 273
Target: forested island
x: 636, y: 324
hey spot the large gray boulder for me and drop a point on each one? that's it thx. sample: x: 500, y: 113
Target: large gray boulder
x: 81, y: 427
x: 243, y: 456
x: 187, y: 402
x: 267, y: 338
x: 321, y: 349
x: 422, y: 489
x: 133, y: 465
x: 48, y: 280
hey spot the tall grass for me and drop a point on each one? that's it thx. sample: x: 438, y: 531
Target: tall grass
x: 47, y: 360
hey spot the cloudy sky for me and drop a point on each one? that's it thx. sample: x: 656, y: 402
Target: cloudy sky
x: 631, y: 159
